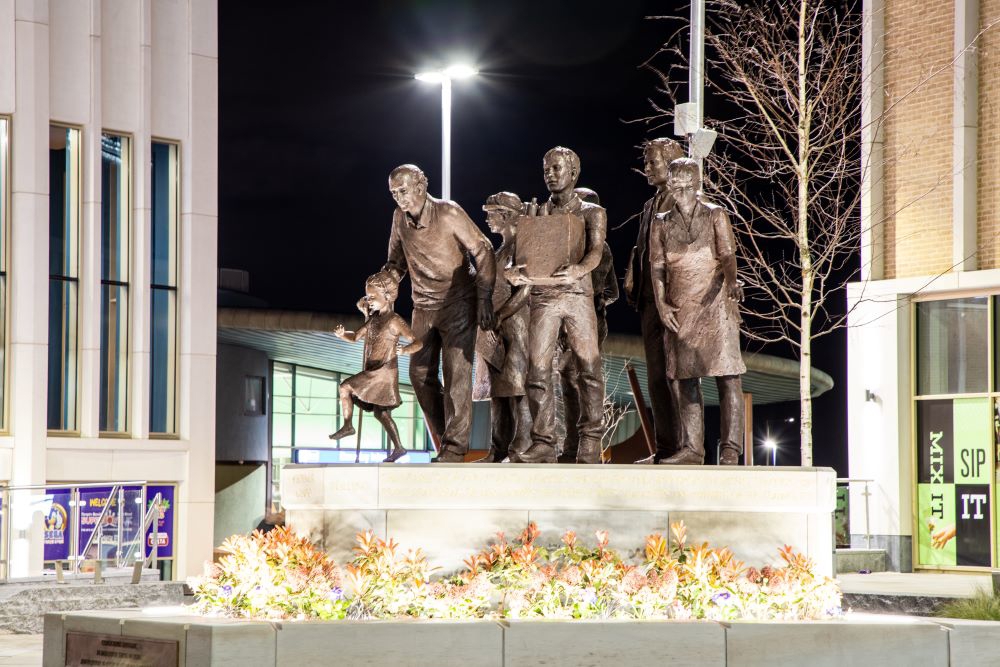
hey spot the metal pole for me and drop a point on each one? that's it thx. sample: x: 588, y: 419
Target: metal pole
x: 640, y: 405
x: 74, y: 529
x: 121, y: 519
x: 774, y: 456
x: 696, y: 71
x: 446, y: 138
x: 5, y: 533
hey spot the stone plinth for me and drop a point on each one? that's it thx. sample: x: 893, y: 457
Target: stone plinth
x: 862, y: 640
x: 451, y: 510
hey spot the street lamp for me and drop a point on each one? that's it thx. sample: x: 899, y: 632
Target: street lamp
x: 445, y: 77
x: 773, y: 446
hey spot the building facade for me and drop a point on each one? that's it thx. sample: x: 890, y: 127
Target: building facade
x: 108, y: 198
x: 924, y: 347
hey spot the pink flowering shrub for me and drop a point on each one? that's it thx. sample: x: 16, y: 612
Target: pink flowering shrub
x: 519, y: 579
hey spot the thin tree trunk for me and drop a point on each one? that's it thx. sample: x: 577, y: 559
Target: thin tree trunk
x: 805, y: 252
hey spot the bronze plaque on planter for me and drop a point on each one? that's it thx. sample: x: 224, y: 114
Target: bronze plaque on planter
x: 547, y: 242
x: 91, y: 649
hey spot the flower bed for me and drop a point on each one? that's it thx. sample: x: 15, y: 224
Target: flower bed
x: 278, y: 575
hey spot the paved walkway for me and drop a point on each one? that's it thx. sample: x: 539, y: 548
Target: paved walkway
x: 934, y: 584
x: 20, y: 650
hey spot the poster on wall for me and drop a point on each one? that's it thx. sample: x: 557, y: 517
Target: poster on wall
x: 162, y: 527
x: 56, y: 525
x: 954, y: 468
x: 58, y: 519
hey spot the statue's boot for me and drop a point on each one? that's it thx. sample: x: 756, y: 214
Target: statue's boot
x: 589, y: 451
x: 729, y: 456
x: 492, y: 456
x: 567, y: 456
x: 538, y: 453
x: 448, y: 455
x: 685, y: 457
x: 344, y: 431
x: 395, y: 455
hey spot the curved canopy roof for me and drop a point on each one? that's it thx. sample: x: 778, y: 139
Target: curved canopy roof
x: 307, y: 339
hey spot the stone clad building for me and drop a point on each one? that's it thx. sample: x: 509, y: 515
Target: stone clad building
x: 924, y: 348
x: 108, y: 225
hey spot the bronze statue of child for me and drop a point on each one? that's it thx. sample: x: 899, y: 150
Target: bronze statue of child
x: 376, y: 388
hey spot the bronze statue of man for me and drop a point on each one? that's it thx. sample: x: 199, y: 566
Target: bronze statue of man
x: 605, y: 293
x: 565, y: 302
x: 435, y: 240
x: 692, y: 254
x: 657, y: 155
x: 502, y: 359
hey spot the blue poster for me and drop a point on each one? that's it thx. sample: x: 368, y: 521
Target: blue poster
x: 56, y: 520
x: 162, y: 526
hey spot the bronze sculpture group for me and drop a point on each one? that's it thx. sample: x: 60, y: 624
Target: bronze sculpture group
x: 533, y: 312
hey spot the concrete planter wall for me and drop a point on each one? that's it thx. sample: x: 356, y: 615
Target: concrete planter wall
x: 872, y: 640
x: 451, y: 510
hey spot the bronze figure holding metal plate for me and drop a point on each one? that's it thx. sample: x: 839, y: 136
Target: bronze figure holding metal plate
x: 452, y: 273
x: 502, y: 355
x: 693, y: 261
x: 562, y: 299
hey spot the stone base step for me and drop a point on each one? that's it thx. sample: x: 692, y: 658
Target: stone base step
x: 22, y: 610
x: 856, y: 560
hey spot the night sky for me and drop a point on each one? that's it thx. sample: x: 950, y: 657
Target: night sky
x: 318, y: 103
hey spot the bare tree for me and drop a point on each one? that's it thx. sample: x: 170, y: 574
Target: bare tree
x: 788, y: 75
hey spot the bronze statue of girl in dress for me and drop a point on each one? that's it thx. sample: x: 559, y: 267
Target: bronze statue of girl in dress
x: 376, y: 387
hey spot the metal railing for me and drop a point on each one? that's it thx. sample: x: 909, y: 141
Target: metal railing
x: 866, y: 493
x: 116, y: 537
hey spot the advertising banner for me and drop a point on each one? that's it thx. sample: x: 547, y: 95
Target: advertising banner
x: 56, y: 529
x: 162, y: 527
x: 954, y: 468
x: 58, y: 519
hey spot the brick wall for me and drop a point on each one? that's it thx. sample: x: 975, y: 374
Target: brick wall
x: 988, y: 218
x: 918, y: 134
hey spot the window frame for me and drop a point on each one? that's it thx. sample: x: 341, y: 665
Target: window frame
x: 73, y: 432
x: 992, y: 393
x: 126, y: 431
x: 175, y: 433
x: 6, y: 210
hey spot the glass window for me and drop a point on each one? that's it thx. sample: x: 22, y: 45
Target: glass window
x: 952, y: 346
x: 4, y: 198
x: 317, y: 407
x: 64, y: 235
x: 163, y: 286
x: 253, y: 396
x: 116, y: 206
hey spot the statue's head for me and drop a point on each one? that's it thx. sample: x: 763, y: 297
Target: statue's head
x: 588, y: 195
x: 380, y: 291
x: 684, y: 181
x: 502, y: 210
x: 657, y: 156
x: 408, y: 186
x: 561, y: 168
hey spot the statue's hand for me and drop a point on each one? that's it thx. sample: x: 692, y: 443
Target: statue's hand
x: 668, y: 315
x: 515, y: 275
x: 492, y: 338
x: 736, y: 291
x: 339, y: 331
x: 487, y: 317
x: 571, y: 272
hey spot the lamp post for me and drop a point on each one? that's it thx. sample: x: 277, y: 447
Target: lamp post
x: 773, y: 446
x: 444, y: 77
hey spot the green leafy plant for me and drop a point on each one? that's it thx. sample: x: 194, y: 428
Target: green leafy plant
x: 983, y: 606
x: 272, y: 575
x: 514, y: 579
